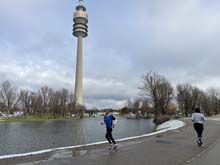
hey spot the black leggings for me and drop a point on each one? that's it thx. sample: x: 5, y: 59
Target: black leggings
x: 199, y: 129
x: 108, y: 136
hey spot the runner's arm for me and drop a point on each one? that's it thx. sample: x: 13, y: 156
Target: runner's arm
x: 114, y: 121
x: 192, y: 117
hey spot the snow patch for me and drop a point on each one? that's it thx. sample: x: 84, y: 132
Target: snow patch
x: 214, y: 118
x: 170, y: 125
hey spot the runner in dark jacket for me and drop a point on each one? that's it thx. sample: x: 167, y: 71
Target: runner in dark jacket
x: 110, y: 122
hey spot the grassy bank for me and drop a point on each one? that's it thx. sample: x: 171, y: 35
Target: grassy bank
x: 30, y: 118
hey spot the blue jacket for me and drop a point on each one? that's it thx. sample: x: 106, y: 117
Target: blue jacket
x: 108, y: 120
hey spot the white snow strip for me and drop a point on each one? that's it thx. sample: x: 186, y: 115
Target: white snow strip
x: 169, y: 125
x: 213, y: 118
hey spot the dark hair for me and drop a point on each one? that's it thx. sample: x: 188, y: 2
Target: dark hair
x: 197, y: 110
x: 107, y: 112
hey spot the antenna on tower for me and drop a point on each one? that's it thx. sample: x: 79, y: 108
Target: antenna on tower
x: 80, y: 2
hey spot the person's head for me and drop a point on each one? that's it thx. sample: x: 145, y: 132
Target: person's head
x: 107, y: 112
x: 197, y: 110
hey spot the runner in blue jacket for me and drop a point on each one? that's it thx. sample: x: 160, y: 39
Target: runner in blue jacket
x: 110, y: 122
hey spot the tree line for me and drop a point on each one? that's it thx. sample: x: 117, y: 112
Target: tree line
x: 163, y: 99
x: 157, y: 96
x: 58, y: 103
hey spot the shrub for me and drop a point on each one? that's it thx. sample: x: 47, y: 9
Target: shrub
x: 161, y: 119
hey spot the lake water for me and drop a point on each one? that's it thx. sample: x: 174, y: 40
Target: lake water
x: 22, y: 137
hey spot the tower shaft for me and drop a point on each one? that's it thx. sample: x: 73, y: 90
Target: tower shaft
x: 79, y: 73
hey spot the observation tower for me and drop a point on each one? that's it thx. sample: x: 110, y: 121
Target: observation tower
x: 80, y: 29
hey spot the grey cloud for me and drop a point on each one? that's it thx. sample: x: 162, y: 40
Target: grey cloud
x: 165, y: 36
x: 108, y: 89
x: 105, y: 103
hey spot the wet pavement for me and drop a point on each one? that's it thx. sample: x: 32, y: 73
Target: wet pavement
x: 208, y: 157
x: 177, y: 147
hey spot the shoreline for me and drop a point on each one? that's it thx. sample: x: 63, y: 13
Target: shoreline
x: 38, y: 119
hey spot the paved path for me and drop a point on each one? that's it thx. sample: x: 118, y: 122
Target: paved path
x: 210, y: 156
x: 176, y: 147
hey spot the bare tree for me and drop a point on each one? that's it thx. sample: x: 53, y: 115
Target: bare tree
x: 46, y: 94
x: 55, y: 104
x: 184, y: 98
x: 71, y: 104
x: 214, y: 99
x: 9, y: 96
x: 35, y: 103
x: 58, y: 103
x: 206, y: 104
x: 130, y: 106
x: 136, y: 105
x: 165, y: 96
x: 189, y: 97
x: 145, y: 107
x: 63, y: 101
x: 26, y: 100
x: 196, y: 96
x: 158, y: 90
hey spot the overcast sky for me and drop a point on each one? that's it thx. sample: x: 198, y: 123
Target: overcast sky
x: 127, y: 38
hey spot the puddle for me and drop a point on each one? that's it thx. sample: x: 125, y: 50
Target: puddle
x: 79, y: 152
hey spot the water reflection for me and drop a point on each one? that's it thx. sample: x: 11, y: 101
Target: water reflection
x: 79, y: 152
